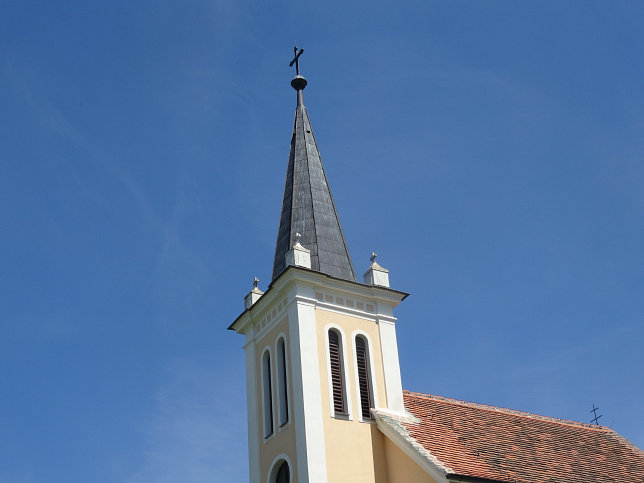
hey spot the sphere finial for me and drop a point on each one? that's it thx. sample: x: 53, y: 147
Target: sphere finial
x: 299, y: 82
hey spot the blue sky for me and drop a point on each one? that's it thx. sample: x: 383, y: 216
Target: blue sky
x: 489, y: 152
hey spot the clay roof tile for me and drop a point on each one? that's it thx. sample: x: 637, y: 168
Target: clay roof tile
x: 498, y: 444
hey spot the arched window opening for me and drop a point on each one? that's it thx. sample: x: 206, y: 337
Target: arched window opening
x: 282, y: 382
x: 364, y: 377
x: 283, y: 473
x: 267, y: 394
x: 337, y: 373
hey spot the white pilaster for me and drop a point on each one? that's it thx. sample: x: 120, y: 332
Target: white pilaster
x: 391, y: 364
x: 251, y: 404
x: 307, y: 399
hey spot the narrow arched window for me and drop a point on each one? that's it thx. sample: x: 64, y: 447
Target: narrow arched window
x: 364, y: 377
x: 337, y: 376
x: 282, y: 382
x: 283, y: 474
x: 267, y: 394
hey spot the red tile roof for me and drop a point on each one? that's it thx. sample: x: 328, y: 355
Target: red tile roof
x: 498, y: 444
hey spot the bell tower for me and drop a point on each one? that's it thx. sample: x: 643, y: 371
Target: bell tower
x: 321, y: 348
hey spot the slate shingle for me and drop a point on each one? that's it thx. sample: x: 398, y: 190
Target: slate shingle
x: 308, y: 208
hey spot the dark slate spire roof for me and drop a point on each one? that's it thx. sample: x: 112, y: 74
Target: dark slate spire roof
x: 308, y: 206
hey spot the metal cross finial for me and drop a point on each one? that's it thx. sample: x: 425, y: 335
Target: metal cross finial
x: 255, y: 282
x: 594, y: 411
x: 373, y: 257
x: 296, y: 60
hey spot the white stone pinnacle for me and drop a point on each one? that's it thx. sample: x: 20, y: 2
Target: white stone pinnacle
x: 375, y: 274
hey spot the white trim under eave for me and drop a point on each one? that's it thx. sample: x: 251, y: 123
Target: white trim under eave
x: 380, y: 295
x: 406, y: 446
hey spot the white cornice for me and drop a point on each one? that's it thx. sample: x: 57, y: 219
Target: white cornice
x: 381, y: 300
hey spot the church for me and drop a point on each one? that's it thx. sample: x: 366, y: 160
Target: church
x: 323, y: 379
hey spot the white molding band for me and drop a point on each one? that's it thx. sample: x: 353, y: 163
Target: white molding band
x: 382, y: 299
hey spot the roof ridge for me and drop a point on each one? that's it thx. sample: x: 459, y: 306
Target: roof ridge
x: 499, y: 409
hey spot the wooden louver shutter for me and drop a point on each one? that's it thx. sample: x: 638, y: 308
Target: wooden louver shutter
x: 363, y: 378
x: 284, y: 382
x: 336, y: 372
x: 268, y: 396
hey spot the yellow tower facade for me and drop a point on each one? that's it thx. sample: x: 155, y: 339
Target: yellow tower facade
x: 321, y: 352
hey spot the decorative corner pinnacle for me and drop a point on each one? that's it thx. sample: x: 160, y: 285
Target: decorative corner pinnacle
x: 254, y: 295
x: 375, y: 274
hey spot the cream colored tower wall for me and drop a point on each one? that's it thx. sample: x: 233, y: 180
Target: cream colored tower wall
x: 401, y: 468
x: 354, y: 449
x: 282, y: 441
x: 301, y: 306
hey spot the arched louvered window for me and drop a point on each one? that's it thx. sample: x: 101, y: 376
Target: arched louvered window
x: 282, y: 382
x: 364, y: 377
x: 337, y: 373
x: 283, y: 474
x: 267, y: 394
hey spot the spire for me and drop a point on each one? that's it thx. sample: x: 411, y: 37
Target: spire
x: 308, y: 206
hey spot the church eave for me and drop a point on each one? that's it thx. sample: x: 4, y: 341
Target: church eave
x: 454, y: 478
x: 391, y: 426
x: 292, y: 273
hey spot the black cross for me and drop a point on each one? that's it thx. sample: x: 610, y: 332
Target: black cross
x: 594, y: 411
x: 296, y: 60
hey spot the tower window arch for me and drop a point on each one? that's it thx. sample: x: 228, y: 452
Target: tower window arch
x: 281, y: 472
x: 336, y: 358
x: 365, y: 385
x: 282, y: 382
x: 267, y: 394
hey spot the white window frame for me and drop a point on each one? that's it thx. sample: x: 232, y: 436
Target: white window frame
x: 268, y: 408
x: 345, y: 371
x: 283, y: 386
x: 374, y: 390
x: 272, y: 474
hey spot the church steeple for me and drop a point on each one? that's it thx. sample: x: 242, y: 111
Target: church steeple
x: 307, y: 206
x: 321, y: 350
